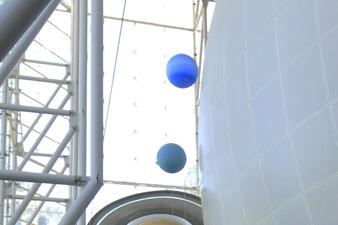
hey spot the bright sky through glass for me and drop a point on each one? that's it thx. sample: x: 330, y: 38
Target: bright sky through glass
x: 146, y: 110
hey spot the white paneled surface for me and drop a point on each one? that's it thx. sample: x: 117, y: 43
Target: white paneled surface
x: 279, y: 4
x: 221, y: 157
x: 330, y: 54
x: 304, y: 87
x: 316, y: 149
x: 323, y: 203
x: 268, y: 221
x: 214, y: 207
x: 328, y: 14
x: 234, y: 31
x: 236, y: 88
x: 253, y: 191
x: 269, y: 114
x: 295, y: 30
x: 280, y: 173
x: 294, y: 213
x: 233, y: 210
x: 257, y: 15
x: 219, y: 121
x: 242, y: 141
x: 204, y: 153
x: 335, y: 113
x: 262, y: 59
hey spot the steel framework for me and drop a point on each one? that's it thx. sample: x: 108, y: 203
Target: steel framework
x: 72, y: 149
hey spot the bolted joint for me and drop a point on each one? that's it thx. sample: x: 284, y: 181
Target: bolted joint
x: 79, y: 181
x: 74, y: 121
x: 66, y: 160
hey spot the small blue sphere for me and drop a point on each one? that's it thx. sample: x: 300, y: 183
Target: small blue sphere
x: 182, y: 71
x: 171, y: 158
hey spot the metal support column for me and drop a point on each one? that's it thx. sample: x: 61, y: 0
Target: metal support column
x: 197, y: 14
x: 75, y: 90
x: 82, y: 106
x: 14, y: 130
x: 195, y: 9
x: 96, y: 120
x: 3, y: 152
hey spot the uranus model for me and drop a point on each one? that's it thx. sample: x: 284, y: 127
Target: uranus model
x: 171, y: 158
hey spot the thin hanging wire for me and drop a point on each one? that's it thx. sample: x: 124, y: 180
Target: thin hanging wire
x: 115, y: 63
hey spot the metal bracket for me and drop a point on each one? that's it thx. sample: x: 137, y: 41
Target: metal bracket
x: 74, y: 121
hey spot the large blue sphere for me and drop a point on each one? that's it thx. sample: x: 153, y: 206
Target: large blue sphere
x: 182, y: 71
x: 171, y: 158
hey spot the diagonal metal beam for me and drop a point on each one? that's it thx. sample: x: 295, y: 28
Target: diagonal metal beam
x: 47, y: 63
x: 43, y: 133
x: 21, y: 208
x: 12, y: 59
x: 58, y: 28
x: 36, y: 194
x: 68, y: 7
x: 50, y: 51
x: 9, y: 19
x: 38, y: 132
x: 37, y: 210
x: 46, y: 105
